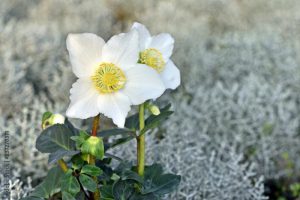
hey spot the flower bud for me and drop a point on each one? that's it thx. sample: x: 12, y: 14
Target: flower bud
x: 154, y: 109
x: 50, y: 119
x: 94, y: 146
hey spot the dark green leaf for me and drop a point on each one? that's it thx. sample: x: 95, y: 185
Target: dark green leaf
x: 67, y: 196
x: 114, y: 132
x: 55, y: 156
x: 132, y: 122
x: 122, y: 190
x: 153, y: 170
x: 50, y: 185
x: 106, y: 192
x: 88, y: 183
x: 154, y: 120
x: 107, y: 171
x: 80, y: 196
x: 166, y: 108
x: 157, y: 182
x: 131, y: 175
x: 70, y: 126
x: 91, y: 170
x: 69, y: 183
x: 164, y: 184
x: 54, y: 138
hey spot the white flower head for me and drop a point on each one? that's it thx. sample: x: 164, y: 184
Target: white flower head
x: 155, y: 52
x: 109, y: 78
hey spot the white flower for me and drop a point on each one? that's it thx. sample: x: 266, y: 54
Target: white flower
x: 109, y: 78
x: 155, y: 52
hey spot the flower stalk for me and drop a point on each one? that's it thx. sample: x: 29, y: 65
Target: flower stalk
x: 91, y: 160
x: 141, y: 142
x: 62, y: 165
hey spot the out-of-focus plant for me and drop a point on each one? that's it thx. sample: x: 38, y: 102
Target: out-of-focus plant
x: 130, y: 69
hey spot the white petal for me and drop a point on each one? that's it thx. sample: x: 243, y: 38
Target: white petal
x: 163, y: 42
x: 122, y: 50
x: 84, y: 51
x: 171, y: 75
x: 143, y: 83
x: 115, y: 106
x: 83, y: 100
x: 144, y: 35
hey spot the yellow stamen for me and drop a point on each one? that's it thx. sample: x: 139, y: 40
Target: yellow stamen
x: 108, y: 78
x: 153, y: 58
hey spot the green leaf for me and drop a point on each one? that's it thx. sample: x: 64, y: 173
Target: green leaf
x: 158, y: 183
x: 166, y: 108
x: 50, y: 185
x: 69, y: 183
x: 94, y: 146
x: 88, y: 183
x: 80, y: 139
x: 122, y: 190
x: 114, y: 132
x: 54, y: 138
x: 107, y: 171
x: 131, y: 175
x: 67, y: 196
x: 80, y: 196
x: 91, y: 170
x: 154, y: 120
x: 55, y: 156
x: 77, y: 161
x: 132, y: 122
x: 72, y: 128
x: 106, y: 192
x: 127, y: 172
x: 153, y: 170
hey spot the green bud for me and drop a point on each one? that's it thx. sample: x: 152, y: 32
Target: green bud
x: 154, y: 109
x: 50, y: 119
x: 94, y: 146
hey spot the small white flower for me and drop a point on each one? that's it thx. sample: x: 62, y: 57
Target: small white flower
x: 155, y: 52
x: 109, y: 78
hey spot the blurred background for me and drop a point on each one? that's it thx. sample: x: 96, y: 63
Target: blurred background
x: 235, y: 130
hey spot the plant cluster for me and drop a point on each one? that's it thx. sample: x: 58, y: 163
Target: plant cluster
x: 130, y: 69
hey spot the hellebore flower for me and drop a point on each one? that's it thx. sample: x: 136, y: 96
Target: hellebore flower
x: 155, y: 52
x: 109, y: 78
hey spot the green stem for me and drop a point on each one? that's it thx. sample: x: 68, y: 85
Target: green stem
x: 92, y: 160
x: 62, y: 165
x: 141, y: 142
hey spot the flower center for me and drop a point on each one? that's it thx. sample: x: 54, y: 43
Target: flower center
x: 153, y: 58
x: 108, y: 78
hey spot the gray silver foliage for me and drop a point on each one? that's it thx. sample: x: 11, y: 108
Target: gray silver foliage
x: 236, y: 120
